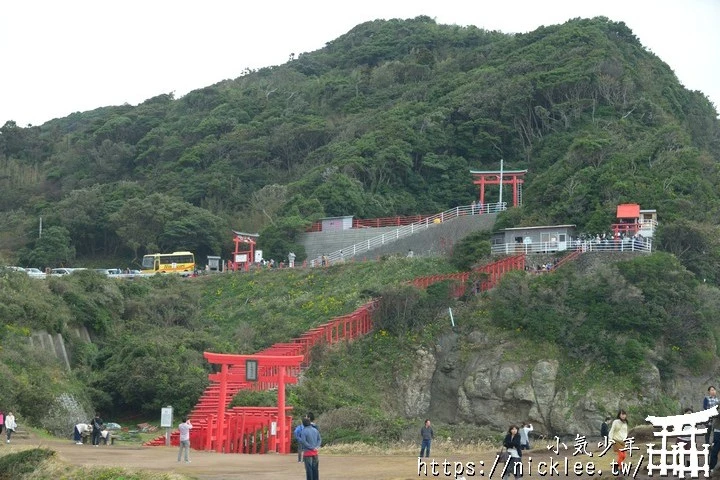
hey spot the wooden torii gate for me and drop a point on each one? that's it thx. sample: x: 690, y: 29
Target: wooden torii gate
x: 497, y: 177
x: 263, y: 370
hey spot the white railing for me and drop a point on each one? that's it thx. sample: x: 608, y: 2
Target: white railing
x: 623, y: 245
x: 341, y: 255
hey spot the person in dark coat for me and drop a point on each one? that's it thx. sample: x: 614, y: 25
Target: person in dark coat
x: 512, y: 443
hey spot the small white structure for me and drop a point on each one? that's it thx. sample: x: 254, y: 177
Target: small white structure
x: 330, y: 224
x: 543, y: 239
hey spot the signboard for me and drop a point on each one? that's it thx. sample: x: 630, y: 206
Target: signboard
x: 166, y: 417
x: 258, y: 256
x: 273, y: 428
x: 241, y: 258
x: 251, y: 370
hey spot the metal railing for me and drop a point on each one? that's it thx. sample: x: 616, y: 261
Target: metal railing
x: 619, y: 245
x: 345, y: 253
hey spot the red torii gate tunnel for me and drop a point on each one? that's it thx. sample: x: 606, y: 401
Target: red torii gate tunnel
x: 225, y: 430
x: 494, y: 177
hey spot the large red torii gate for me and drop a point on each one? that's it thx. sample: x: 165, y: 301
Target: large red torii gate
x: 249, y: 369
x: 496, y: 177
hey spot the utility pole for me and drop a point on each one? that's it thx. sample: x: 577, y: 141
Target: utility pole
x: 501, y: 184
x: 40, y: 231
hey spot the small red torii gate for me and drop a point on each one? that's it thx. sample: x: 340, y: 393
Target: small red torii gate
x: 253, y: 368
x: 497, y: 177
x: 243, y: 258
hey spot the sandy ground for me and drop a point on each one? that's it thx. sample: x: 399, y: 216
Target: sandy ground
x: 214, y: 466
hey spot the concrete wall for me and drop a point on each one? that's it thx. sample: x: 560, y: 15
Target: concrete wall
x: 436, y: 240
x: 54, y: 344
x: 323, y: 243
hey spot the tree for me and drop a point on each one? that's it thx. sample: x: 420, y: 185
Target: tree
x: 53, y: 248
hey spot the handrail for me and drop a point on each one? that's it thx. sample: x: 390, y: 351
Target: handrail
x: 619, y: 245
x: 341, y: 255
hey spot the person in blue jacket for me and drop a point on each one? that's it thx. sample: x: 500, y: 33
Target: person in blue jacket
x: 298, y: 437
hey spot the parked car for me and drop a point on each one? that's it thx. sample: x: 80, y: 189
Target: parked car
x: 35, y: 273
x: 14, y: 269
x: 57, y: 272
x: 109, y: 271
x: 64, y: 271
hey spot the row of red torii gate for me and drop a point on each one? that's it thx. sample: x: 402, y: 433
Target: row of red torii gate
x: 221, y: 428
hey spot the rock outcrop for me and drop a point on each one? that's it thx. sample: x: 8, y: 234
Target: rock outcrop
x: 487, y: 382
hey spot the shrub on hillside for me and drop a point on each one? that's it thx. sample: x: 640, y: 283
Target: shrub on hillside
x: 471, y: 250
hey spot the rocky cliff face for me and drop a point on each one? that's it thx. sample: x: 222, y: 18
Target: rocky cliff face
x: 482, y: 385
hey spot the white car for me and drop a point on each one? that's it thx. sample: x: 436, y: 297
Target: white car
x: 35, y: 273
x: 14, y: 269
x: 57, y: 272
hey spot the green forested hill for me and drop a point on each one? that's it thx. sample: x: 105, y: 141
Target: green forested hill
x: 386, y: 119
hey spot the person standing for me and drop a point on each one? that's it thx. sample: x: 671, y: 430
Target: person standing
x: 709, y: 401
x: 310, y: 441
x: 97, y: 428
x: 512, y: 443
x: 605, y: 428
x: 525, y: 436
x: 618, y: 434
x: 291, y: 260
x: 184, y: 429
x: 298, y: 437
x: 10, y: 425
x: 311, y: 417
x: 426, y: 434
x: 2, y: 421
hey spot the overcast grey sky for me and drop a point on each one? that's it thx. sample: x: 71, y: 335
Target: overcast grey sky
x: 64, y: 56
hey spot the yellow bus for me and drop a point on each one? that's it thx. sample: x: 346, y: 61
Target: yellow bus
x: 176, y: 262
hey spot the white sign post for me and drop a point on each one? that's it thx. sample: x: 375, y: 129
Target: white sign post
x: 166, y: 420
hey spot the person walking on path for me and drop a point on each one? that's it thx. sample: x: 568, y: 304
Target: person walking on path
x: 2, y: 421
x: 311, y: 441
x: 10, y: 425
x: 184, y: 429
x: 97, y: 428
x: 618, y: 434
x: 426, y: 434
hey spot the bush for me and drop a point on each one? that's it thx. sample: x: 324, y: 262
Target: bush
x: 254, y: 398
x: 471, y: 250
x: 15, y: 465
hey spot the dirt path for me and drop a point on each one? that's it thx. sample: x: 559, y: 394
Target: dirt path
x: 214, y: 466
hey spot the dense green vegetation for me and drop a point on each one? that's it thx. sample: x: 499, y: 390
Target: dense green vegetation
x: 386, y: 119
x: 147, y: 353
x: 149, y: 334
